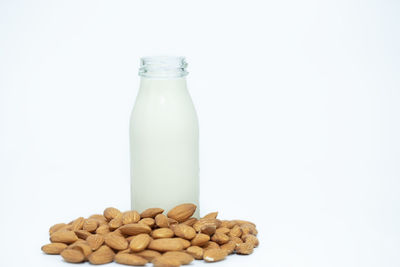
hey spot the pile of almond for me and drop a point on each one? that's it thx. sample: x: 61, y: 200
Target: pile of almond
x: 135, y: 239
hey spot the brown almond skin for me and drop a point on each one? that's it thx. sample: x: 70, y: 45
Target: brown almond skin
x: 148, y: 254
x: 135, y: 229
x: 102, y: 256
x: 54, y: 248
x: 213, y: 255
x: 244, y: 249
x: 237, y: 240
x: 200, y: 240
x: 140, y: 242
x: 162, y: 221
x: 95, y: 241
x: 130, y: 259
x: 184, y: 231
x: 83, y: 234
x: 227, y: 224
x: 183, y: 257
x: 162, y: 233
x: 190, y: 221
x: 211, y: 215
x: 115, y: 241
x: 166, y: 244
x: 211, y: 245
x: 148, y: 221
x: 83, y: 247
x: 241, y: 222
x: 66, y: 237
x: 111, y: 213
x: 196, y: 251
x: 248, y: 228
x: 182, y: 212
x: 115, y: 223
x: 103, y: 229
x: 72, y: 255
x: 57, y: 227
x: 151, y: 212
x: 220, y: 238
x: 236, y: 231
x: 131, y: 216
x: 98, y: 217
x: 90, y: 225
x: 223, y: 230
x: 229, y: 247
x: 251, y: 239
x: 166, y: 262
x: 185, y: 243
x: 77, y: 224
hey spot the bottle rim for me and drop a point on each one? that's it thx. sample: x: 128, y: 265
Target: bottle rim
x: 163, y: 66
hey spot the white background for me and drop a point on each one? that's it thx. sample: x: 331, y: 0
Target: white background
x: 299, y: 109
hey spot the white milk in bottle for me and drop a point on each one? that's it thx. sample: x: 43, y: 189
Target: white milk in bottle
x: 164, y: 137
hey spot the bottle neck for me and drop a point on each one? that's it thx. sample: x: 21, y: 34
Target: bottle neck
x: 162, y: 84
x: 163, y: 67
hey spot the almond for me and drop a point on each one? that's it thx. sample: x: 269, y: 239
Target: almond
x: 206, y: 226
x: 227, y: 224
x: 172, y: 221
x: 182, y: 212
x: 162, y: 233
x: 57, y: 227
x: 151, y: 213
x: 66, y: 237
x: 211, y: 215
x: 72, y: 255
x: 185, y: 243
x: 229, y: 247
x: 102, y: 256
x: 241, y: 222
x: 90, y: 225
x: 128, y: 250
x: 251, y: 239
x: 248, y: 229
x: 131, y: 216
x: 166, y: 244
x: 220, y: 238
x: 135, y: 229
x: 223, y: 230
x: 211, y: 245
x: 148, y: 221
x: 196, y: 251
x: 244, y: 249
x: 148, y: 254
x: 115, y: 223
x: 83, y: 234
x: 237, y: 240
x: 213, y: 255
x: 115, y: 241
x: 166, y: 262
x: 98, y: 217
x: 162, y: 221
x: 200, y: 240
x: 103, y: 229
x: 140, y: 242
x: 111, y: 213
x: 130, y: 259
x: 83, y: 247
x: 190, y: 221
x: 236, y: 231
x: 184, y: 231
x: 53, y: 248
x: 183, y: 257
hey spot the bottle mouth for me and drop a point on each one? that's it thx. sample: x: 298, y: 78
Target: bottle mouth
x: 163, y: 67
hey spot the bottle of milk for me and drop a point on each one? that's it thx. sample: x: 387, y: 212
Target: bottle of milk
x: 164, y: 137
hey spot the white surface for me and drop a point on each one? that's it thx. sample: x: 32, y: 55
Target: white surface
x: 298, y: 104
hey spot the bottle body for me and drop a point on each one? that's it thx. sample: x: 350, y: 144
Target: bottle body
x: 164, y: 145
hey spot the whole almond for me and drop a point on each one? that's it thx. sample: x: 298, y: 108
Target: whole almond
x: 227, y: 224
x: 223, y: 230
x: 98, y: 217
x: 200, y: 240
x: 131, y: 216
x: 237, y: 240
x: 236, y: 231
x: 251, y: 239
x: 244, y: 249
x: 196, y: 251
x: 90, y: 225
x: 115, y: 223
x: 139, y: 242
x: 95, y: 241
x: 72, y: 255
x: 135, y: 229
x: 162, y: 221
x: 210, y: 245
x: 184, y: 231
x: 183, y: 257
x: 185, y: 243
x: 213, y: 255
x: 211, y: 215
x: 83, y: 247
x: 130, y: 259
x: 207, y: 226
x: 148, y: 254
x: 103, y: 229
x: 248, y: 228
x: 166, y: 244
x: 190, y: 221
x: 162, y: 233
x: 151, y: 212
x: 102, y: 256
x: 111, y: 213
x: 115, y: 241
x: 128, y: 250
x: 148, y: 221
x: 83, y: 234
x: 53, y: 248
x: 229, y: 247
x: 166, y: 262
x: 66, y: 237
x: 57, y: 227
x: 241, y: 222
x: 182, y: 212
x: 220, y: 238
